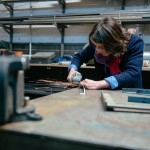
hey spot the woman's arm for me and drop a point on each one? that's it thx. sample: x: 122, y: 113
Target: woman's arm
x: 82, y: 57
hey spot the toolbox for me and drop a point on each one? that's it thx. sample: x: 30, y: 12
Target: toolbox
x: 42, y: 57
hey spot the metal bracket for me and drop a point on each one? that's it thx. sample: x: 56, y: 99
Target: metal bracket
x: 62, y: 4
x: 6, y: 28
x: 8, y: 6
x: 123, y: 4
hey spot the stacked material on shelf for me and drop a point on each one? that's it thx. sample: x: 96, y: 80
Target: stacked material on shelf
x: 42, y: 57
x: 146, y: 59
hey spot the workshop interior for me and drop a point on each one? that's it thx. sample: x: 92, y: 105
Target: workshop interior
x: 38, y: 39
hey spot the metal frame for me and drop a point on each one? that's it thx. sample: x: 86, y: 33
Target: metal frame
x: 125, y: 17
x: 62, y: 3
x: 9, y: 5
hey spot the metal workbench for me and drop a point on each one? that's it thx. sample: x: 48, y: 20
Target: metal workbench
x: 73, y: 121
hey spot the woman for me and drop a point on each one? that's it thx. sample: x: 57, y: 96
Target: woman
x: 118, y: 57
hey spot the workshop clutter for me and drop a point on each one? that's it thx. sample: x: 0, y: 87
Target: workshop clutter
x: 18, y: 53
x: 4, y: 48
x: 62, y: 58
x: 42, y: 57
x: 4, y: 44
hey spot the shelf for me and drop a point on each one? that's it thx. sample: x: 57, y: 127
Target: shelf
x: 61, y: 21
x: 68, y: 19
x: 58, y: 65
x: 65, y: 66
x: 7, y: 3
x: 124, y: 17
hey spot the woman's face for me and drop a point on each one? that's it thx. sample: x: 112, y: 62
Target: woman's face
x: 99, y: 48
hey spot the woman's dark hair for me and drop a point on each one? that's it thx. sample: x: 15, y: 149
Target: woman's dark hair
x: 109, y: 33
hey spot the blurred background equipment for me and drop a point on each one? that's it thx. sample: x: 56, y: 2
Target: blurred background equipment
x: 42, y: 57
x: 4, y: 48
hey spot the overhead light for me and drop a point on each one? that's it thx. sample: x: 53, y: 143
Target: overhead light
x: 43, y: 26
x: 73, y: 1
x: 22, y: 26
x: 33, y: 26
x: 34, y: 5
x: 42, y: 4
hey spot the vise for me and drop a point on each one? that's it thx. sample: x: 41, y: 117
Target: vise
x: 13, y: 105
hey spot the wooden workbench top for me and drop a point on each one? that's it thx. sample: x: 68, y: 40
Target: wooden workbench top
x: 82, y: 118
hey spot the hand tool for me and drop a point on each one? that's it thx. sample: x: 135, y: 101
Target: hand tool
x: 77, y: 77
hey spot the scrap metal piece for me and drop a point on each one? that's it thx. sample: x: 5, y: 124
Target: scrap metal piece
x: 130, y: 90
x: 138, y: 99
x: 143, y: 91
x: 136, y: 91
x: 82, y: 90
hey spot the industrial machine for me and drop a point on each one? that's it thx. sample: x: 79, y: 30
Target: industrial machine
x: 13, y: 105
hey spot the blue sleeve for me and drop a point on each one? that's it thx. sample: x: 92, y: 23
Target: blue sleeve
x: 82, y: 57
x: 112, y: 82
x: 73, y: 66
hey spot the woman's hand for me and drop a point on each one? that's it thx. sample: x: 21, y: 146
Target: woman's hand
x: 70, y: 75
x: 94, y: 85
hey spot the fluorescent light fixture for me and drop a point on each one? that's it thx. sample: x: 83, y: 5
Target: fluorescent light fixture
x: 43, y: 4
x: 73, y: 1
x: 20, y: 27
x: 33, y: 26
x: 43, y: 26
x: 34, y: 5
x: 18, y: 6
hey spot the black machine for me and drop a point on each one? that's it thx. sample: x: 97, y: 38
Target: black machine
x: 13, y: 105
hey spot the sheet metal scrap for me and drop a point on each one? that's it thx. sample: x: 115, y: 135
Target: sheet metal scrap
x: 138, y: 99
x: 130, y: 90
x: 145, y: 92
x: 136, y: 91
x: 82, y: 90
x: 109, y: 104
